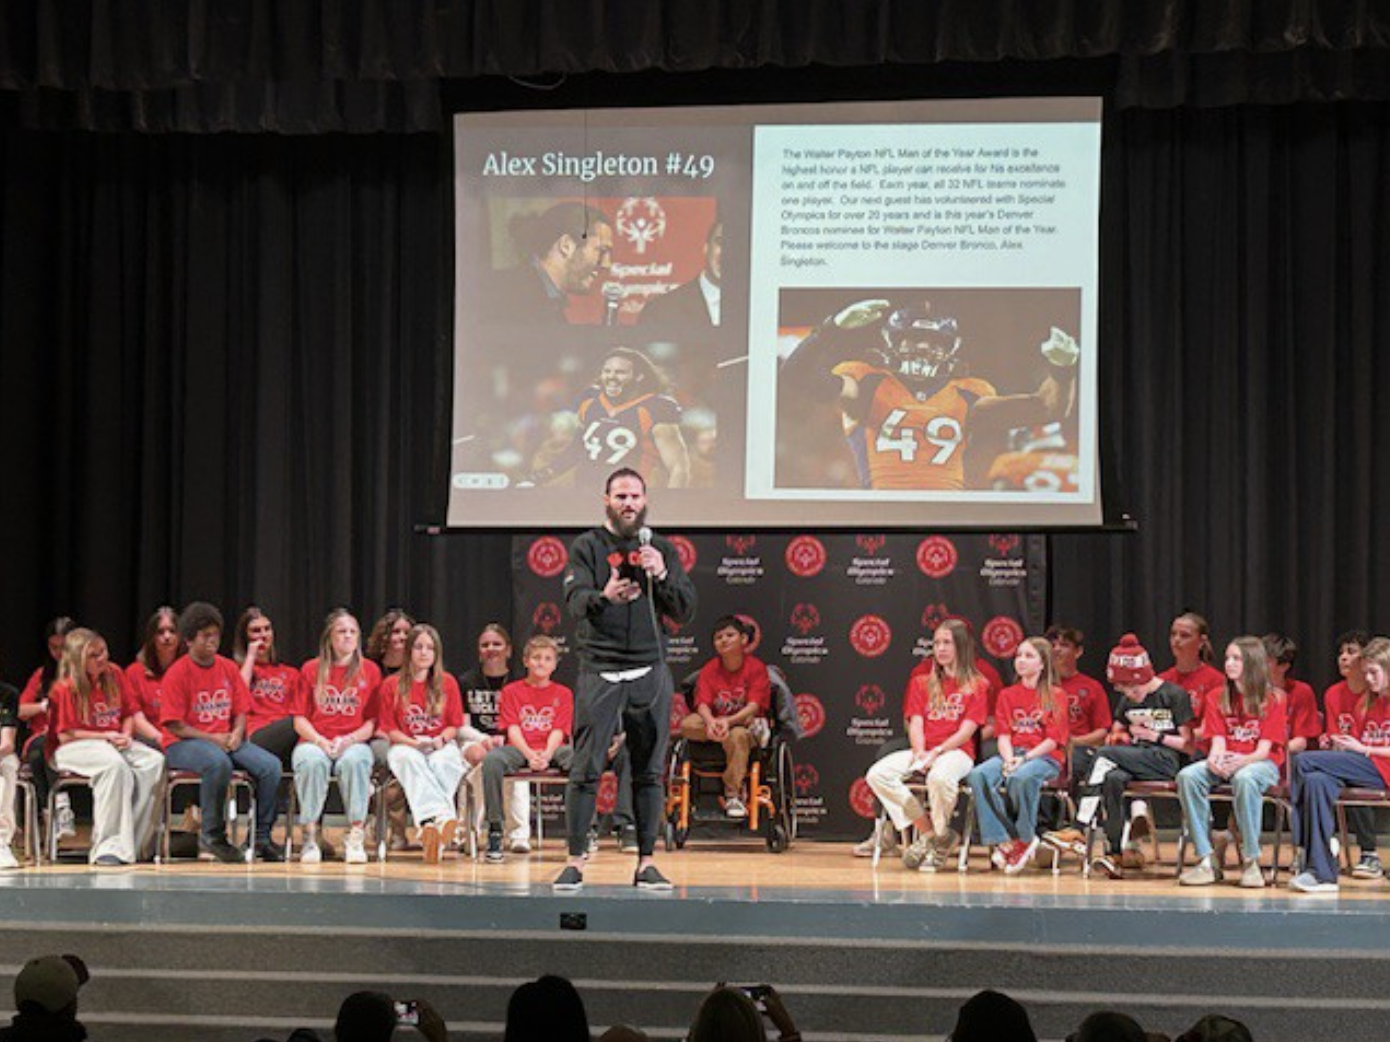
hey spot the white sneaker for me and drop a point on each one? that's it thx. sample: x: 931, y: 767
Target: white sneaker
x: 521, y: 846
x: 734, y: 808
x: 67, y: 821
x: 1141, y: 826
x: 309, y: 853
x: 355, y: 846
x: 7, y: 858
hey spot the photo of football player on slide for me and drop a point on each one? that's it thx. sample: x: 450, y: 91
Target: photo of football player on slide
x: 927, y: 384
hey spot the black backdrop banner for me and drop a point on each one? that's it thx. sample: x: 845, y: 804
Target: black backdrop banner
x: 846, y: 617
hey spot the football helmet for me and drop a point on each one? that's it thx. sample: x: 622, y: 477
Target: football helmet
x: 919, y: 346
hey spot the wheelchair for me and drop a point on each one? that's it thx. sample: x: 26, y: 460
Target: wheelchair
x: 694, y: 776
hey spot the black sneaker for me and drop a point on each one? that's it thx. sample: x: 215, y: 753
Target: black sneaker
x: 494, y: 853
x: 570, y: 879
x: 223, y: 851
x: 650, y: 878
x: 270, y: 852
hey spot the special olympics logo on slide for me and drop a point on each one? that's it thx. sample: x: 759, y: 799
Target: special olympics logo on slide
x: 685, y: 550
x: 811, y: 714
x: 547, y: 557
x: 805, y: 556
x: 1001, y: 636
x: 805, y: 618
x: 806, y: 779
x: 641, y: 221
x: 756, y: 637
x: 870, y: 699
x: 936, y: 556
x: 870, y: 636
x: 870, y: 544
x: 861, y: 799
x: 546, y: 617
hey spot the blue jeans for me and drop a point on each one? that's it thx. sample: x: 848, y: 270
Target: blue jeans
x: 1248, y: 784
x: 215, y: 765
x: 1315, y: 781
x: 1013, y: 812
x: 352, y: 768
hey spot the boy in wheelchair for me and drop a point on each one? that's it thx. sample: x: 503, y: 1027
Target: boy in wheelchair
x: 733, y: 695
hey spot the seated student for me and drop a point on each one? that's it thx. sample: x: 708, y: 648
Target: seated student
x: 1032, y: 720
x: 1247, y: 726
x: 1340, y: 703
x: 1359, y: 757
x: 481, y: 689
x: 9, y: 772
x: 33, y: 713
x: 274, y: 686
x: 538, y: 715
x: 944, y: 709
x: 145, y: 676
x: 1151, y: 733
x: 1088, y: 719
x: 203, y: 712
x: 92, y: 724
x: 732, y: 691
x: 421, y: 713
x: 335, y: 718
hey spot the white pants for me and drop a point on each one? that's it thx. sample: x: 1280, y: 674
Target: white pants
x: 943, y: 786
x: 517, y: 798
x: 9, y: 774
x: 430, y: 780
x: 125, y: 783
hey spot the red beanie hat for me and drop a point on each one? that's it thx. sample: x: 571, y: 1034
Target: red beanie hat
x: 1129, y: 663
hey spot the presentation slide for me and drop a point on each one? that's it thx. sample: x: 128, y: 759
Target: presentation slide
x: 833, y: 315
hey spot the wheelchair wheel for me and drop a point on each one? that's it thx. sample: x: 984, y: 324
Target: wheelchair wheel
x: 777, y: 838
x: 781, y: 824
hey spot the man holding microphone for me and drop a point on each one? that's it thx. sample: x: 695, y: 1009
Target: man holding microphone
x: 621, y: 578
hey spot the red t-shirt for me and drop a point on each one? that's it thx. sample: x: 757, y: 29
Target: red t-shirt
x: 148, y: 690
x: 1020, y: 714
x: 1198, y: 684
x: 537, y: 710
x: 417, y: 721
x: 31, y: 695
x: 1342, y: 709
x: 345, y: 707
x: 994, y: 682
x: 1375, y: 732
x: 274, y: 694
x: 101, y: 715
x: 942, y: 723
x: 1243, y: 731
x: 726, y: 693
x: 209, y: 698
x: 1302, y: 706
x: 1088, y: 707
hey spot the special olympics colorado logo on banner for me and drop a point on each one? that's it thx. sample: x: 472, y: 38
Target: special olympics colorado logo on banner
x: 547, y: 557
x: 861, y: 799
x: 546, y: 617
x: 756, y: 637
x: 936, y: 556
x: 685, y: 550
x: 811, y: 713
x: 804, y: 649
x: 740, y: 566
x: 1001, y: 636
x: 870, y: 636
x: 805, y: 556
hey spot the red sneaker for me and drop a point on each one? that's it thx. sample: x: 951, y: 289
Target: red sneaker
x: 1019, y: 856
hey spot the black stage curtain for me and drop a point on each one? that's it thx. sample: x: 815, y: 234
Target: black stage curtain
x: 316, y: 66
x: 225, y: 359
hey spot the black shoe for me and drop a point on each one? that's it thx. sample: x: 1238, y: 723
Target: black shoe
x: 650, y: 878
x: 270, y: 852
x: 223, y: 851
x: 627, y: 839
x: 494, y: 847
x: 570, y: 879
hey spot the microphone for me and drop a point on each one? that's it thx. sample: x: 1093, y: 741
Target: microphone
x: 612, y: 300
x: 644, y: 536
